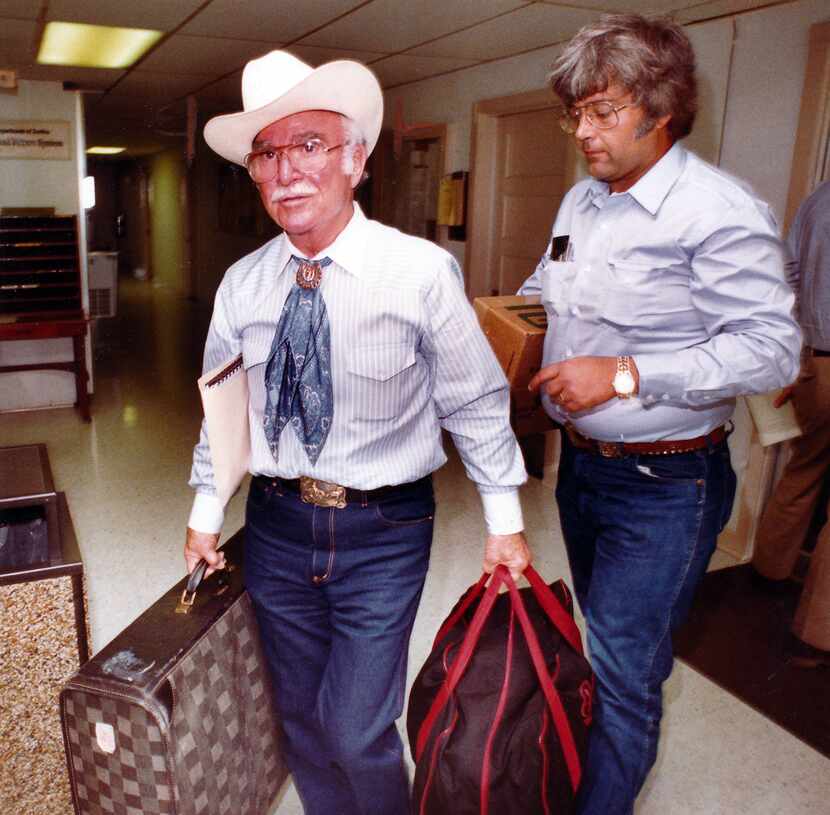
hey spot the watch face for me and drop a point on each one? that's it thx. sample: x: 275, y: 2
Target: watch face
x: 623, y: 383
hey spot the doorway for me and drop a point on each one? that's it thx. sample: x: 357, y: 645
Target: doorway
x: 408, y: 171
x: 522, y: 166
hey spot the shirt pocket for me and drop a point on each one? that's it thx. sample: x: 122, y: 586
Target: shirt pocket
x: 571, y: 289
x: 642, y: 301
x: 384, y: 379
x: 557, y: 282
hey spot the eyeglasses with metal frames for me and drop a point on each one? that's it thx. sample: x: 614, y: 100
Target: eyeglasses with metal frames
x: 308, y: 156
x: 602, y: 115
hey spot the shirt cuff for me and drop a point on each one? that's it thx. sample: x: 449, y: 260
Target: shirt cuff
x: 659, y: 381
x: 502, y: 512
x: 207, y: 514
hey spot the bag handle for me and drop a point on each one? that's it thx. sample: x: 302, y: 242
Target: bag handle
x: 563, y: 621
x: 554, y: 609
x: 502, y: 575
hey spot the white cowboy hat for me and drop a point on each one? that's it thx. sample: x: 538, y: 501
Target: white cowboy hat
x: 278, y: 84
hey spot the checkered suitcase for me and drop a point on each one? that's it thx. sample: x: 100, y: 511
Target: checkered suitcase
x: 175, y: 715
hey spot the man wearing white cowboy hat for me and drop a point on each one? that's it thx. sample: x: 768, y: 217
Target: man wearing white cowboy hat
x: 359, y: 346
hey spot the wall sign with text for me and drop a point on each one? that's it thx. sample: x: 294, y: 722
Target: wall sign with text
x: 34, y: 139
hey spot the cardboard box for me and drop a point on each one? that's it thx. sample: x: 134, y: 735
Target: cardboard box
x: 515, y: 327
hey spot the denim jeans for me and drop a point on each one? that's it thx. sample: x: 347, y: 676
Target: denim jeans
x: 335, y: 593
x: 639, y: 533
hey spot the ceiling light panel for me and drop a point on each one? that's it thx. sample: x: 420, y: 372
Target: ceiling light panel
x: 94, y: 46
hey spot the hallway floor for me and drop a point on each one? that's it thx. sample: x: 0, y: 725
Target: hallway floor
x: 125, y: 476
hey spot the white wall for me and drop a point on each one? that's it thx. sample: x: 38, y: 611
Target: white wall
x: 754, y: 105
x: 42, y: 183
x: 765, y: 96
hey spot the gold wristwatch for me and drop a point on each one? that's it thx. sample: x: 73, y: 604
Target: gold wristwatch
x: 623, y: 382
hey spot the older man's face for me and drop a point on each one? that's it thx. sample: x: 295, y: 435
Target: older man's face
x: 313, y: 208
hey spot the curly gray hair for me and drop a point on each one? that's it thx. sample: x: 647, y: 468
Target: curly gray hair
x: 651, y: 58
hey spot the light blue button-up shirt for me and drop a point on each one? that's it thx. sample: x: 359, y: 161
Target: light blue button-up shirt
x: 685, y: 272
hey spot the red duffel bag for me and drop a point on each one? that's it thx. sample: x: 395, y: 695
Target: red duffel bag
x: 498, y: 716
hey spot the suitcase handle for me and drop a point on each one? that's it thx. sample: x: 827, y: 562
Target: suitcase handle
x: 194, y: 580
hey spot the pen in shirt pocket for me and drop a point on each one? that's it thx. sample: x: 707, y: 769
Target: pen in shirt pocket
x: 561, y: 249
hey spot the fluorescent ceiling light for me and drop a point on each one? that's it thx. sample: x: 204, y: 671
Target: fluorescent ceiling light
x: 94, y: 46
x: 105, y: 151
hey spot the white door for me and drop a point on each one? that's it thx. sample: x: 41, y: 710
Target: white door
x: 532, y: 159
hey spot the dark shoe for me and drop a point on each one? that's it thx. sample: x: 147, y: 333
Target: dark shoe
x: 803, y: 655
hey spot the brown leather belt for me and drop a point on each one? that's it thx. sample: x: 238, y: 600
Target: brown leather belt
x: 819, y: 352
x: 326, y: 494
x: 618, y: 449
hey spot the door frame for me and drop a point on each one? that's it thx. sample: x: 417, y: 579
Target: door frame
x: 385, y: 163
x: 483, y: 180
x: 811, y: 152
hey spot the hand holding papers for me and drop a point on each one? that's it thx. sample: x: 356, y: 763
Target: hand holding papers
x: 773, y: 424
x: 224, y: 392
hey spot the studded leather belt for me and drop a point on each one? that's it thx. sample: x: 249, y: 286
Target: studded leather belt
x: 327, y: 494
x: 619, y: 449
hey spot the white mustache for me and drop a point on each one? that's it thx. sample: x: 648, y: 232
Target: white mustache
x: 301, y: 188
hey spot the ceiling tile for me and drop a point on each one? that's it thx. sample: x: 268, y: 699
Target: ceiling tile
x: 619, y: 6
x: 207, y: 56
x: 17, y: 41
x: 280, y: 20
x: 224, y: 96
x: 21, y: 9
x: 716, y: 8
x: 119, y: 112
x: 406, y: 68
x: 158, y: 85
x: 400, y: 24
x: 161, y: 15
x: 530, y: 27
x: 315, y: 55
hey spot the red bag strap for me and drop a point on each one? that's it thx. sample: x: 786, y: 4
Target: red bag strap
x: 554, y: 609
x: 473, y: 593
x: 458, y: 667
x: 560, y: 719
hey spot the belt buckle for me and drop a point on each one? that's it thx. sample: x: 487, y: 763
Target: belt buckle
x: 322, y: 493
x: 608, y: 449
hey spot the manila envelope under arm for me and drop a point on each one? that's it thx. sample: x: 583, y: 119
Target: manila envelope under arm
x: 224, y: 392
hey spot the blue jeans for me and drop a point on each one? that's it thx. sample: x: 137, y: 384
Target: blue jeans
x: 335, y: 593
x: 639, y: 532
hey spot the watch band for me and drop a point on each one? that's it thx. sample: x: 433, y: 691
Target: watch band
x: 624, y: 383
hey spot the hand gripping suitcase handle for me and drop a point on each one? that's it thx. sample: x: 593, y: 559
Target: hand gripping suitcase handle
x: 468, y: 644
x: 194, y: 580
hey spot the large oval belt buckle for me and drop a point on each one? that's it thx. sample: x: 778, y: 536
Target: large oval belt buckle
x: 309, y: 275
x: 322, y: 493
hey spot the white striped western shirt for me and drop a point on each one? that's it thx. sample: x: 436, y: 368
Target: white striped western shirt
x: 408, y: 358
